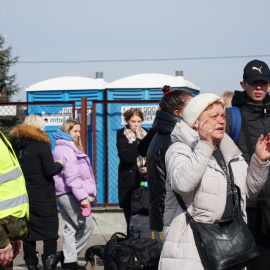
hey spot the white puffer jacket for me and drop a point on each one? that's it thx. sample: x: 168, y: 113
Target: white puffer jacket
x: 195, y: 175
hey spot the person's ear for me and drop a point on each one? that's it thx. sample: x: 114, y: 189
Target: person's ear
x: 243, y: 85
x: 178, y: 112
x: 196, y: 125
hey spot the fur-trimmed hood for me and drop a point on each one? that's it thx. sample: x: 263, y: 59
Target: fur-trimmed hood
x: 23, y: 134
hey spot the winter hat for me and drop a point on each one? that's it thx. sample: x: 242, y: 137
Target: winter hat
x: 197, y: 105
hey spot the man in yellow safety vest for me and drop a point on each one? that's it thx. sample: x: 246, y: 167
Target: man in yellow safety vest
x: 14, y: 206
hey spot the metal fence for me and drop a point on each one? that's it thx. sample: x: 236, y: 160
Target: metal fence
x: 107, y: 118
x: 53, y: 113
x: 100, y: 133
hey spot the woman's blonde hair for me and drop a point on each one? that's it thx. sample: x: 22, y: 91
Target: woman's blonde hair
x: 67, y: 126
x: 35, y: 121
x: 227, y: 98
x: 211, y: 105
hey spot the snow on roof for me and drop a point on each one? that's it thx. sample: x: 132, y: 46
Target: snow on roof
x: 151, y: 80
x: 68, y: 83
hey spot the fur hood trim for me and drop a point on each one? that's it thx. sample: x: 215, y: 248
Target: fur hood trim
x: 31, y: 132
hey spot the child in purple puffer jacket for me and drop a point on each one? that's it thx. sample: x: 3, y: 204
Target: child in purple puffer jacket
x: 75, y: 189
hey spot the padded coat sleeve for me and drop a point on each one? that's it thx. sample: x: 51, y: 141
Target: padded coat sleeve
x: 186, y: 168
x: 145, y: 142
x: 50, y: 168
x: 257, y: 176
x: 72, y: 175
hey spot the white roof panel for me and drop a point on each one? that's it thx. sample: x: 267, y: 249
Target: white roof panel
x: 68, y: 83
x: 151, y: 80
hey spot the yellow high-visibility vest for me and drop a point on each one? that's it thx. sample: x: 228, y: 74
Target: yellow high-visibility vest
x: 13, y: 194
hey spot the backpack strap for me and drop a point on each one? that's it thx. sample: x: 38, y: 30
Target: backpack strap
x: 236, y: 123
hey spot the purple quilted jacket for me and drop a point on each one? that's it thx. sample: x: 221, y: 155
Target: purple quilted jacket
x: 77, y: 175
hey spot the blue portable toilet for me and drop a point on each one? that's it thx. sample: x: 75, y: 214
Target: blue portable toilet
x: 137, y: 87
x: 68, y: 88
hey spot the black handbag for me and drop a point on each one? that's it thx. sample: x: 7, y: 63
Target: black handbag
x: 140, y: 201
x: 223, y: 245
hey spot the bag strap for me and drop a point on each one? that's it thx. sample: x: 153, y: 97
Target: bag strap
x: 119, y: 235
x: 189, y: 217
x: 236, y: 196
x: 236, y: 123
x: 180, y: 201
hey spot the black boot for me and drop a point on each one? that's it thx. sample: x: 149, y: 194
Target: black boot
x: 72, y: 266
x: 61, y: 257
x: 31, y: 263
x: 49, y: 261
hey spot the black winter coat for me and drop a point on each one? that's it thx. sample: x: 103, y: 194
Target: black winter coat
x: 145, y: 142
x: 32, y: 147
x: 257, y: 117
x: 128, y: 173
x: 156, y: 171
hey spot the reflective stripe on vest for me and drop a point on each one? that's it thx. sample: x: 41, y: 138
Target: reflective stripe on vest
x: 13, y: 202
x: 11, y: 175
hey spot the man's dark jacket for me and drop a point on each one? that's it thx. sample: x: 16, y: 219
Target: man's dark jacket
x: 257, y: 118
x: 156, y: 172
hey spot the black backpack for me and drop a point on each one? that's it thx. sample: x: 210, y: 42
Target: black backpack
x: 123, y: 253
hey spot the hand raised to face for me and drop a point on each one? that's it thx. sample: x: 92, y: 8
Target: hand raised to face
x: 138, y: 132
x: 205, y: 130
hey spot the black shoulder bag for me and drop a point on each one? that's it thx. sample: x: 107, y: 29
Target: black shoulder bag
x: 223, y: 245
x: 123, y: 253
x: 140, y: 201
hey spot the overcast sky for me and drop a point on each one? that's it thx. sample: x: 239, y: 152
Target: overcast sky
x: 64, y: 30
